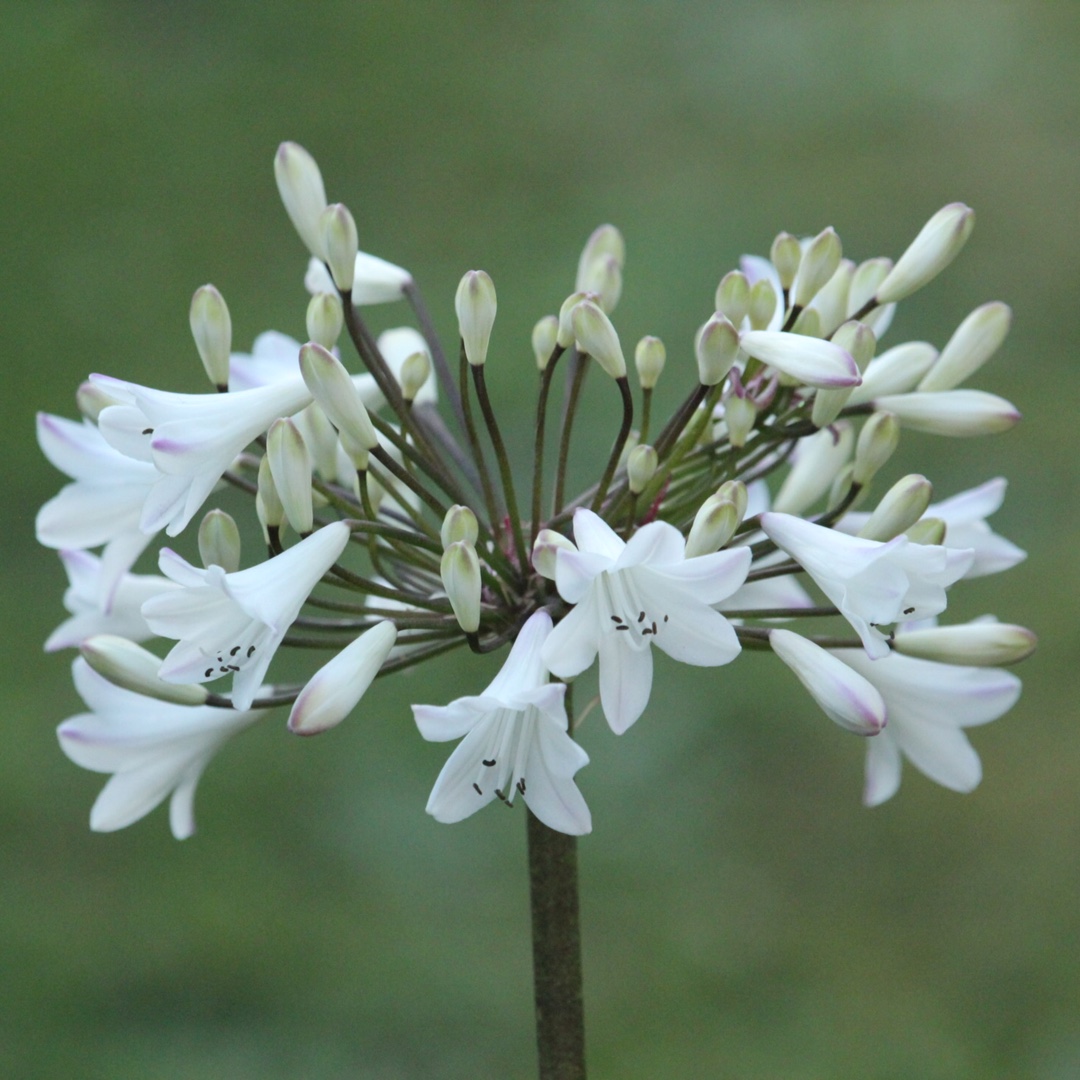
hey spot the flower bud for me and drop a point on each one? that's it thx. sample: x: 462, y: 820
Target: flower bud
x: 544, y: 340
x: 475, y: 305
x: 843, y: 694
x: 819, y: 263
x: 818, y: 460
x: 809, y: 360
x: 605, y: 281
x: 975, y: 340
x: 740, y: 415
x: 960, y: 413
x: 786, y: 254
x: 325, y: 319
x: 841, y: 489
x: 458, y: 524
x: 733, y: 297
x: 763, y: 300
x: 333, y: 388
x: 649, y: 359
x: 831, y: 302
x: 901, y: 506
x: 460, y: 571
x: 715, y: 347
x: 337, y: 687
x: 938, y: 243
x: 868, y: 276
x: 212, y: 329
x: 735, y: 491
x: 545, y: 551
x: 320, y: 438
x: 91, y: 399
x: 219, y: 541
x: 290, y: 466
x: 895, y: 371
x: 714, y: 525
x: 641, y: 468
x: 605, y: 242
x: 300, y: 185
x: 631, y: 443
x: 415, y: 370
x: 596, y: 337
x: 341, y: 244
x: 808, y: 323
x: 267, y: 503
x: 132, y: 667
x: 859, y: 341
x: 878, y: 440
x: 929, y: 530
x: 977, y: 644
x: 565, y: 337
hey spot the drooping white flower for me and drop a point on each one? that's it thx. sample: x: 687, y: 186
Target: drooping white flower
x: 515, y: 742
x: 102, y: 506
x: 871, y: 583
x: 89, y: 617
x: 232, y: 624
x: 630, y: 596
x: 927, y: 706
x: 375, y: 280
x: 191, y: 439
x: 396, y: 346
x: 152, y: 748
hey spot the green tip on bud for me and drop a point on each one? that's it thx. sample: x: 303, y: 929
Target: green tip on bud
x: 460, y: 572
x: 605, y: 242
x: 641, y: 467
x: 459, y: 524
x: 735, y: 491
x: 325, y: 319
x: 132, y: 667
x: 414, y: 373
x: 938, y: 243
x: 983, y: 643
x: 733, y: 296
x: 300, y: 185
x: 902, y: 505
x: 649, y: 359
x: 929, y: 530
x: 715, y: 348
x: 877, y: 442
x: 211, y: 327
x: 219, y: 541
x: 957, y: 413
x: 475, y: 305
x: 808, y: 324
x: 565, y: 336
x: 740, y: 416
x: 714, y: 525
x: 604, y: 280
x: 290, y: 466
x: 786, y: 254
x: 975, y: 340
x: 332, y: 387
x: 819, y: 262
x: 341, y: 244
x: 831, y: 302
x: 596, y: 337
x: 545, y: 551
x: 868, y: 276
x: 267, y: 502
x: 763, y: 300
x: 545, y: 336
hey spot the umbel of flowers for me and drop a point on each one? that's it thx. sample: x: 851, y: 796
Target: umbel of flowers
x: 756, y: 516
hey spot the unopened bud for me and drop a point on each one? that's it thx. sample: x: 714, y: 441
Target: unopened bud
x: 132, y: 667
x: 715, y: 347
x: 938, y: 243
x: 596, y: 336
x: 786, y: 254
x: 290, y: 466
x: 605, y: 281
x: 219, y: 541
x: 858, y: 340
x: 901, y: 506
x: 211, y: 327
x: 808, y: 323
x: 605, y: 242
x: 475, y: 305
x: 733, y: 297
x: 831, y: 302
x: 895, y: 371
x: 300, y: 185
x: 714, y: 525
x: 414, y: 373
x: 975, y: 340
x: 868, y: 276
x: 819, y: 263
x: 740, y: 415
x: 878, y: 440
x: 320, y: 438
x: 763, y: 301
x: 325, y: 319
x: 818, y: 460
x: 930, y: 530
x: 545, y: 551
x: 460, y: 571
x: 641, y: 468
x: 808, y: 360
x: 565, y: 337
x: 983, y: 643
x: 649, y: 359
x: 735, y: 491
x: 840, y: 491
x: 458, y: 524
x: 267, y: 503
x: 333, y: 388
x: 544, y: 340
x: 341, y: 244
x: 960, y: 413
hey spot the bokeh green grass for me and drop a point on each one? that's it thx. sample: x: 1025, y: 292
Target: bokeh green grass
x: 744, y: 916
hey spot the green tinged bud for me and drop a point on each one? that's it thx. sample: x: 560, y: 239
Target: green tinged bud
x: 641, y: 468
x: 938, y: 243
x: 734, y: 491
x: 545, y: 336
x: 333, y: 388
x: 902, y: 505
x: 211, y: 327
x: 475, y: 305
x: 858, y: 340
x: 320, y: 438
x: 976, y: 339
x: 763, y: 301
x: 740, y: 415
x: 606, y: 242
x: 818, y: 461
x: 565, y: 337
x: 649, y: 359
x: 878, y: 440
x: 290, y: 466
x: 715, y: 347
x: 460, y: 571
x: 868, y: 276
x: 415, y: 369
x: 459, y: 524
x: 341, y: 245
x: 831, y: 303
x: 132, y: 667
x: 300, y: 185
x: 808, y: 324
x: 841, y: 488
x: 978, y: 644
x: 596, y: 337
x: 733, y: 297
x: 819, y: 263
x: 714, y: 525
x: 545, y: 551
x: 927, y: 531
x: 786, y: 254
x: 325, y: 319
x: 267, y: 503
x: 219, y: 541
x: 605, y: 281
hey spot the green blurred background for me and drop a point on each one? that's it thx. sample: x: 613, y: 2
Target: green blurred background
x: 744, y: 916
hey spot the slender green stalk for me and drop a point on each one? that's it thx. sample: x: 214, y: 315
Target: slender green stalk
x: 538, y: 445
x: 575, y: 376
x: 620, y: 441
x: 474, y: 445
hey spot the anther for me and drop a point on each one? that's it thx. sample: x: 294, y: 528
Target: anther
x: 489, y: 763
x: 476, y: 788
x: 623, y: 627
x: 521, y: 785
x: 641, y: 616
x: 148, y: 431
x: 251, y: 649
x: 615, y: 618
x: 909, y: 610
x: 234, y: 650
x: 209, y: 672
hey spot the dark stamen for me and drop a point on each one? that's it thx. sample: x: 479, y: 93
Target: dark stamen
x: 489, y: 763
x: 476, y: 788
x: 615, y: 618
x: 641, y: 616
x: 251, y: 649
x: 148, y: 431
x: 908, y: 610
x: 234, y: 650
x: 521, y: 785
x: 209, y: 672
x: 623, y: 627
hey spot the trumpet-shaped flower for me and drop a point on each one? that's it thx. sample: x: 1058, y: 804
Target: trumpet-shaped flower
x: 232, y: 624
x: 152, y: 748
x: 927, y: 706
x: 871, y: 583
x: 631, y: 596
x: 515, y: 742
x: 191, y: 439
x: 375, y: 281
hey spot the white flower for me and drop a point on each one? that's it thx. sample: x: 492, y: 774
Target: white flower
x: 102, y: 506
x: 630, y: 596
x: 190, y: 438
x: 927, y: 705
x: 152, y: 748
x: 515, y: 743
x: 809, y: 360
x: 83, y: 600
x: 376, y: 281
x: 233, y: 623
x: 964, y: 515
x: 871, y: 583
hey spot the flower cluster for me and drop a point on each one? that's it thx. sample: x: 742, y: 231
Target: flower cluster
x: 392, y: 531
